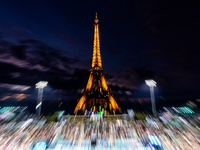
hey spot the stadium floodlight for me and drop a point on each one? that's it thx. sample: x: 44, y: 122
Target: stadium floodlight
x: 151, y: 83
x: 40, y: 85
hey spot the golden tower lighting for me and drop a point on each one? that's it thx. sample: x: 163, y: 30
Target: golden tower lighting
x: 96, y: 90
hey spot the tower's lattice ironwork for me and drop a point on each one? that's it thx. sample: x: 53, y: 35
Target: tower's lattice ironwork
x: 97, y: 92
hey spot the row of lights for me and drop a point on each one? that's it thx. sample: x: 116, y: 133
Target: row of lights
x: 40, y: 85
x: 151, y: 83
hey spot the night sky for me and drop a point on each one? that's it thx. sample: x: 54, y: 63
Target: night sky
x: 53, y: 41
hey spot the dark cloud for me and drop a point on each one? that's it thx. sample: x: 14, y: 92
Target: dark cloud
x: 19, y: 51
x: 15, y: 87
x: 33, y: 61
x: 130, y: 78
x: 41, y: 62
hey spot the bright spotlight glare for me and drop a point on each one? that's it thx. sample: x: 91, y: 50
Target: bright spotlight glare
x: 41, y: 84
x: 150, y: 83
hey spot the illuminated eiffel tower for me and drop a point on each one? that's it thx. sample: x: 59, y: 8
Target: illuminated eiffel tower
x: 97, y: 92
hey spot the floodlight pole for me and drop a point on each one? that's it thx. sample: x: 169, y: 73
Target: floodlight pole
x: 40, y: 85
x: 39, y: 102
x: 152, y: 84
x: 153, y: 101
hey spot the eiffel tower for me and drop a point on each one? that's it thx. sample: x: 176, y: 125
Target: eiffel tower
x: 97, y: 93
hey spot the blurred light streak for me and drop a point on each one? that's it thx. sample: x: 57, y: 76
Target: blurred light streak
x: 15, y: 87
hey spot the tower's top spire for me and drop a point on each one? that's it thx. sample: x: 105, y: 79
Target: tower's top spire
x: 96, y: 15
x: 96, y: 59
x: 96, y: 21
